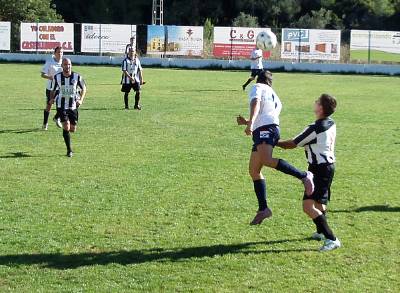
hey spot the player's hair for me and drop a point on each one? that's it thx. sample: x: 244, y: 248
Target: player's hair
x: 265, y: 76
x: 58, y: 48
x: 328, y: 104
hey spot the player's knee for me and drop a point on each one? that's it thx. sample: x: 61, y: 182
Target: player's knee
x: 269, y: 162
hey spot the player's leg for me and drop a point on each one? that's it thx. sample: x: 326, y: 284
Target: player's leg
x: 66, y: 130
x: 126, y: 88
x: 56, y: 118
x: 255, y: 166
x: 251, y: 78
x: 136, y: 88
x: 46, y: 111
x: 321, y: 222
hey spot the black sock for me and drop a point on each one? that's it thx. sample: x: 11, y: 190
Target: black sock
x: 67, y: 140
x: 286, y: 168
x: 126, y: 100
x: 247, y: 82
x: 323, y: 226
x: 56, y: 116
x: 137, y: 99
x: 261, y: 193
x: 319, y: 231
x: 45, y: 117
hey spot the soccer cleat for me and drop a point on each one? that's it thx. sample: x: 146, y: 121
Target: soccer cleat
x: 308, y: 182
x: 330, y: 245
x: 70, y: 154
x: 57, y: 122
x: 243, y: 87
x: 318, y: 236
x: 261, y: 216
x: 126, y: 108
x: 45, y: 127
x: 138, y: 107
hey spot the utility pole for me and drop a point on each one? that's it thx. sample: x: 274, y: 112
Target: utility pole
x: 158, y: 12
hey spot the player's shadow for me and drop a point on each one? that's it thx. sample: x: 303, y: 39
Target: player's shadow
x: 19, y: 131
x: 374, y: 208
x: 77, y: 260
x: 15, y: 155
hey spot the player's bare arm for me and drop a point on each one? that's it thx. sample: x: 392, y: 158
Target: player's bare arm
x: 287, y: 144
x: 126, y: 73
x: 254, y: 110
x: 46, y: 76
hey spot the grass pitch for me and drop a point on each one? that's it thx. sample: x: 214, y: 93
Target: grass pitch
x: 160, y: 200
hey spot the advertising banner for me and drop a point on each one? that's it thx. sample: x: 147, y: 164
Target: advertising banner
x: 310, y: 44
x: 184, y: 40
x: 382, y: 45
x: 106, y: 38
x: 5, y: 35
x: 46, y: 36
x: 235, y: 42
x: 156, y: 39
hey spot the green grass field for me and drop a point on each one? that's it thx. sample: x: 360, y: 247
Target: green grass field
x: 375, y: 56
x: 160, y: 200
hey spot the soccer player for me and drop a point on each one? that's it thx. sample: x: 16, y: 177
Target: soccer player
x: 318, y: 139
x: 263, y: 125
x: 51, y: 68
x: 256, y: 58
x: 66, y: 87
x: 132, y: 78
x: 130, y: 46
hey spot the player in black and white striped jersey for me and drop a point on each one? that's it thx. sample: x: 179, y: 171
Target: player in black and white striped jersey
x: 69, y: 90
x: 132, y: 78
x: 318, y: 139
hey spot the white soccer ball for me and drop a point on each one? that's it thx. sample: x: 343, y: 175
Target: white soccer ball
x: 266, y: 40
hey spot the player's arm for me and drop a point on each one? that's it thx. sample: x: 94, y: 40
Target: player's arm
x: 82, y: 85
x: 254, y: 109
x: 53, y: 92
x: 287, y: 144
x: 44, y: 74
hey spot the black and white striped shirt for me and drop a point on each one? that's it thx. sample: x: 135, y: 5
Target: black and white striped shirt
x: 318, y: 139
x: 68, y: 88
x: 133, y: 67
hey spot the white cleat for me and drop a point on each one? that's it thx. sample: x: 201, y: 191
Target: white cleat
x: 45, y: 127
x: 57, y: 122
x: 318, y: 236
x: 330, y: 245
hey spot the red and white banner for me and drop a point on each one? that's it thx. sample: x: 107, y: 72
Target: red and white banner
x: 234, y: 42
x: 46, y: 36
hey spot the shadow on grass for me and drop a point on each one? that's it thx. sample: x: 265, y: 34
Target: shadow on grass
x: 375, y: 208
x: 208, y: 90
x: 20, y: 131
x: 15, y: 155
x: 73, y: 261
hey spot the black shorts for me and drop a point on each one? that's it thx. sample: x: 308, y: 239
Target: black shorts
x: 48, y: 95
x: 68, y: 115
x: 323, y: 176
x: 268, y: 134
x: 126, y: 87
x: 256, y: 72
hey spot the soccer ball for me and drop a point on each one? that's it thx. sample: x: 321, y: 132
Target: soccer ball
x: 266, y: 40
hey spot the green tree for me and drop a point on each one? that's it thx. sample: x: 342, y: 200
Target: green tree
x: 245, y: 20
x: 320, y: 19
x: 208, y: 37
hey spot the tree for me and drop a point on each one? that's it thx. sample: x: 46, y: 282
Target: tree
x: 245, y: 20
x: 318, y: 19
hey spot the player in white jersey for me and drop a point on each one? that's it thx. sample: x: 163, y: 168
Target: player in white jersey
x: 66, y: 87
x: 256, y: 58
x: 51, y: 68
x: 130, y: 46
x: 263, y: 125
x: 132, y: 78
x: 318, y: 139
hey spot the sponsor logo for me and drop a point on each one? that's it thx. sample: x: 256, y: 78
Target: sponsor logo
x: 296, y: 35
x: 264, y: 134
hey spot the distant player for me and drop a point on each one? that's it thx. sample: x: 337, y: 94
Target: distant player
x: 256, y: 58
x: 51, y: 68
x: 66, y: 87
x: 130, y: 46
x: 263, y: 125
x: 318, y: 139
x: 132, y: 78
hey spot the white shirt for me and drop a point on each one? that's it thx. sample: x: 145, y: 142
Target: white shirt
x: 257, y: 64
x: 133, y: 67
x: 318, y: 139
x: 270, y: 105
x: 51, y: 68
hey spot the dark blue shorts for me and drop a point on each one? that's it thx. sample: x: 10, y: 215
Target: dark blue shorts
x: 256, y: 72
x: 268, y: 134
